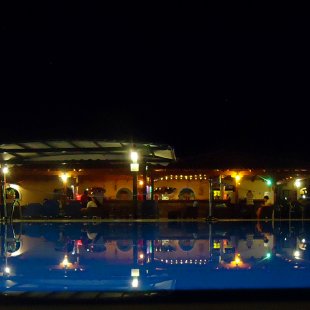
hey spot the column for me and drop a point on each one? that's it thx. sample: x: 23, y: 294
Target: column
x: 144, y: 181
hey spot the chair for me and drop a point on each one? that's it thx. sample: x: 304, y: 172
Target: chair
x: 191, y: 213
x: 92, y: 212
x: 51, y: 208
x: 149, y: 210
x: 175, y: 214
x: 267, y: 212
x: 32, y: 210
x: 73, y: 209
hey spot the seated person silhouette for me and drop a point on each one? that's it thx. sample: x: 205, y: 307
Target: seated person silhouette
x: 92, y: 205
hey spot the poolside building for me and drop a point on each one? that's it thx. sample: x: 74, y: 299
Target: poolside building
x: 154, y: 178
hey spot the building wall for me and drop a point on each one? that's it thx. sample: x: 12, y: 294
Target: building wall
x: 110, y: 183
x: 259, y: 189
x: 290, y: 191
x: 37, y: 189
x: 199, y: 187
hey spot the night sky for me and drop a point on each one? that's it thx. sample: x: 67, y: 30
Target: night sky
x: 198, y: 79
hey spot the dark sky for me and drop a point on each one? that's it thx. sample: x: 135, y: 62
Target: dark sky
x: 199, y: 79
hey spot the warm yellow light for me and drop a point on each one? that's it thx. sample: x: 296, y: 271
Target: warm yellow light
x: 65, y: 262
x: 141, y: 256
x: 134, y: 156
x: 237, y: 260
x: 64, y: 177
x: 5, y: 170
x: 141, y: 182
x: 238, y: 177
x: 15, y: 186
x: 297, y: 183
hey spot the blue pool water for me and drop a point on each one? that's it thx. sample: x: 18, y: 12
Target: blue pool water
x: 136, y: 257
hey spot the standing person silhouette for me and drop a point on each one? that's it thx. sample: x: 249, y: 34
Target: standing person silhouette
x: 84, y: 199
x: 266, y: 203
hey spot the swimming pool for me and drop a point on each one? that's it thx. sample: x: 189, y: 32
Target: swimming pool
x: 146, y: 257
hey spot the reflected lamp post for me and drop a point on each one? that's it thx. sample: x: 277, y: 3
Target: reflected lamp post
x: 135, y: 273
x: 6, y: 268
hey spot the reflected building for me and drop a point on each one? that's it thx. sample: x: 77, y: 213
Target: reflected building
x: 58, y: 256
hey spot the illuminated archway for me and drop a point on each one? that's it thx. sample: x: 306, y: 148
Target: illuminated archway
x: 186, y: 194
x: 124, y: 194
x: 12, y: 193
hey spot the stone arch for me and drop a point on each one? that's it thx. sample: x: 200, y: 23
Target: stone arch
x: 124, y: 194
x: 12, y: 193
x: 186, y: 194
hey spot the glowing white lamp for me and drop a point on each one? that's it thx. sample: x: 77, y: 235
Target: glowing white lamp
x: 135, y: 282
x: 297, y: 183
x: 7, y: 270
x: 64, y: 177
x: 5, y: 170
x: 134, y: 156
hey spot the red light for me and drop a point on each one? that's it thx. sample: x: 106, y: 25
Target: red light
x: 79, y: 242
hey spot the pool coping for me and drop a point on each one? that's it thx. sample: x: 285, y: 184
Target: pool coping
x: 100, y: 220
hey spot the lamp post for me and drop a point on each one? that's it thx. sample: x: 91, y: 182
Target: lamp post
x: 4, y: 170
x: 64, y: 177
x: 134, y: 167
x: 145, y: 168
x: 237, y: 183
x: 209, y: 217
x: 152, y: 185
x: 297, y: 184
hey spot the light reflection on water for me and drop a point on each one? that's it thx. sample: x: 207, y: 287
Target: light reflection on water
x: 153, y: 256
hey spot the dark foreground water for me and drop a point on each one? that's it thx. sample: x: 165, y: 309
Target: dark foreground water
x: 135, y: 257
